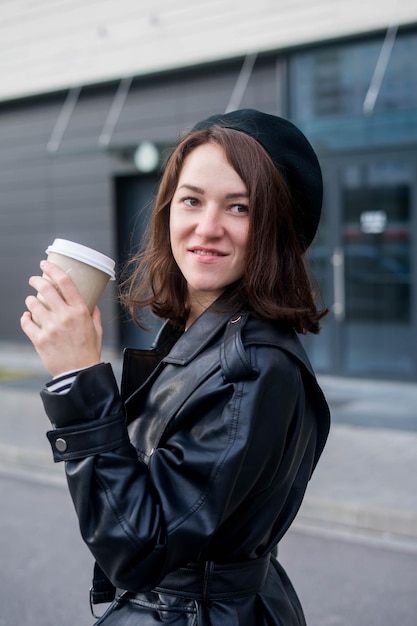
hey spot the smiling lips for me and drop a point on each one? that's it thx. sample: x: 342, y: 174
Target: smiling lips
x: 206, y: 253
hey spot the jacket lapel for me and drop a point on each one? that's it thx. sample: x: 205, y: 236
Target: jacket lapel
x: 142, y: 367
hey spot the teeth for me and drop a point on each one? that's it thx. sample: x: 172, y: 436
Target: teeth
x: 206, y: 253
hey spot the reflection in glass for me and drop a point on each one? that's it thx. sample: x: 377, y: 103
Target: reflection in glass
x: 376, y: 239
x: 377, y: 254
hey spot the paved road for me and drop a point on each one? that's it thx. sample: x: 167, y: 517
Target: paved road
x: 46, y: 569
x: 347, y: 582
x: 365, y: 480
x: 352, y: 552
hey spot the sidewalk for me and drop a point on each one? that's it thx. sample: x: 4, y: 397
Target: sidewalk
x: 365, y: 482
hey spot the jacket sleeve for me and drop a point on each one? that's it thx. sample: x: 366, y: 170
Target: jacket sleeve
x: 223, y: 449
x: 119, y: 515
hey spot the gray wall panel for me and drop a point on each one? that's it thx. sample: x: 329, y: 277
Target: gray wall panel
x: 69, y: 193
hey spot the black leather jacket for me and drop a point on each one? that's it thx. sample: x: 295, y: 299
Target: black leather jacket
x: 205, y: 459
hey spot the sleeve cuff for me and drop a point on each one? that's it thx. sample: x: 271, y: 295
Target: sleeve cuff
x: 63, y: 382
x: 77, y: 442
x: 93, y: 395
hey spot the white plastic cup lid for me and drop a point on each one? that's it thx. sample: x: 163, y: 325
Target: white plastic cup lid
x: 83, y: 254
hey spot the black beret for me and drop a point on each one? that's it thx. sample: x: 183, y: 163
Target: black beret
x: 292, y: 154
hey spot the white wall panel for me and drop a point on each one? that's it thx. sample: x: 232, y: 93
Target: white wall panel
x: 47, y: 45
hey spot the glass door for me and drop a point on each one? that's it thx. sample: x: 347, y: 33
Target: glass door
x: 364, y: 262
x: 376, y: 248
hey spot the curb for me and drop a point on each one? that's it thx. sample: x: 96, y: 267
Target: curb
x: 34, y: 465
x: 363, y: 519
x: 316, y: 513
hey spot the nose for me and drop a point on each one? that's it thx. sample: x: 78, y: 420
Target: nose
x: 209, y: 224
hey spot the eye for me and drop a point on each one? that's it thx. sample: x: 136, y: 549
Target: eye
x: 190, y: 201
x: 239, y: 209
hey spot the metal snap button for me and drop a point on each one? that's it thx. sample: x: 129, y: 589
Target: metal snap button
x: 61, y: 445
x: 235, y: 319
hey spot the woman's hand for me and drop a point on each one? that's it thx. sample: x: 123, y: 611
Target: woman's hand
x: 66, y: 336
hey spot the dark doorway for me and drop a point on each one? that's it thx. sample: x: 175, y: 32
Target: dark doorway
x: 134, y: 196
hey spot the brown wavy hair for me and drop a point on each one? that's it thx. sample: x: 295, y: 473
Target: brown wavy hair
x: 276, y: 284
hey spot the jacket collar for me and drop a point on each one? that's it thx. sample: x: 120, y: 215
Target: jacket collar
x: 198, y: 336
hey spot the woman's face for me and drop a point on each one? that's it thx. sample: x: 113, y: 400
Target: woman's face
x: 209, y: 225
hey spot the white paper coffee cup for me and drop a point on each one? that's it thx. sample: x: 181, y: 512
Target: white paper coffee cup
x: 89, y: 269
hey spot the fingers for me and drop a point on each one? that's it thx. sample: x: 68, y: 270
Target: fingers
x: 63, y: 342
x: 55, y: 285
x: 28, y: 325
x: 35, y: 309
x: 59, y: 323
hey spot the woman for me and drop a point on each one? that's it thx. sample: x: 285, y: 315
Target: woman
x: 185, y: 483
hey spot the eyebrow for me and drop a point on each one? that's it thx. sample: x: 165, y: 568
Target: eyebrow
x: 229, y: 196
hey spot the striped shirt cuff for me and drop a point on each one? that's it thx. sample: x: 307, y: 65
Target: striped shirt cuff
x: 62, y: 384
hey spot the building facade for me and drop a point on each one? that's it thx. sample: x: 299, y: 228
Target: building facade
x: 96, y: 87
